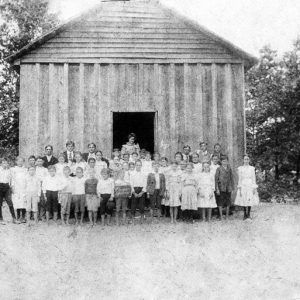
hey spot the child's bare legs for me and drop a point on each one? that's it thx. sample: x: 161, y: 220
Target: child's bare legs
x: 76, y: 218
x: 220, y: 208
x: 67, y: 219
x: 108, y: 219
x: 203, y: 214
x: 91, y: 217
x: 62, y: 216
x: 95, y: 214
x: 28, y: 217
x: 55, y: 216
x: 209, y: 214
x: 81, y: 217
x: 227, y: 212
x: 175, y: 214
x: 47, y: 217
x: 117, y: 216
x: 102, y: 220
x: 172, y: 214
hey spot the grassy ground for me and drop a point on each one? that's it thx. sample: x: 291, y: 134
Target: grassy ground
x: 233, y: 259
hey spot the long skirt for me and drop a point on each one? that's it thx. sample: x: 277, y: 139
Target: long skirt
x: 189, y: 198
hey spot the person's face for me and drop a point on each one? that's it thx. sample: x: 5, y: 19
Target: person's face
x: 148, y: 157
x: 126, y: 157
x: 61, y: 160
x: 155, y: 167
x: 105, y: 176
x: 52, y: 172
x: 206, y: 168
x: 195, y: 159
x: 131, y: 140
x: 99, y: 156
x: 186, y: 150
x: 178, y: 157
x: 189, y: 169
x: 125, y: 167
x: 156, y: 157
x: 92, y: 148
x: 70, y: 148
x: 131, y: 167
x: 31, y: 171
x: 138, y: 166
x: 48, y: 151
x: 78, y: 158
x: 31, y: 162
x: 246, y: 160
x: 225, y: 163
x: 20, y: 162
x: 174, y: 167
x: 39, y: 162
x: 142, y: 155
x: 217, y: 148
x: 164, y: 163
x: 116, y: 153
x: 182, y: 166
x: 79, y: 173
x: 215, y: 160
x: 116, y: 160
x: 91, y: 175
x: 66, y: 172
x: 5, y: 164
x: 92, y: 164
x: 203, y: 147
x: 134, y: 157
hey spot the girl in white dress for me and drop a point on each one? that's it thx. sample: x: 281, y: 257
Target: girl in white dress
x: 206, y: 197
x: 189, y: 183
x: 247, y: 195
x: 173, y: 186
x: 19, y: 173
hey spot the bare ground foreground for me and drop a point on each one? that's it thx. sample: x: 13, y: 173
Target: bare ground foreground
x: 258, y: 259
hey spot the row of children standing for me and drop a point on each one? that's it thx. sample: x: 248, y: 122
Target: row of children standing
x: 186, y: 182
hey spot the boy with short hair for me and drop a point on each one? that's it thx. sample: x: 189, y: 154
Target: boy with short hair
x: 78, y: 194
x: 156, y: 188
x: 32, y: 194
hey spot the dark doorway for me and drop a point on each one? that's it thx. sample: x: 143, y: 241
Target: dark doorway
x: 141, y: 123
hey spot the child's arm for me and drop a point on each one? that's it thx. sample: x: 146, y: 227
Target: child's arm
x: 217, y: 181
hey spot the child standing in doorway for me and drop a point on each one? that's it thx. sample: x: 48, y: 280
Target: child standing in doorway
x: 224, y: 186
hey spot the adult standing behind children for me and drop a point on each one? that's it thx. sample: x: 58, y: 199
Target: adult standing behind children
x: 69, y: 154
x: 92, y: 148
x: 49, y: 159
x: 131, y: 146
x: 204, y: 155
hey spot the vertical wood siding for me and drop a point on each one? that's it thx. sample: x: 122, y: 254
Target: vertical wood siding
x: 194, y: 102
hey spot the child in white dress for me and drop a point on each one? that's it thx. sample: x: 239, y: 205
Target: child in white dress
x: 147, y: 163
x: 189, y: 184
x: 206, y: 197
x: 19, y: 173
x: 173, y: 186
x: 197, y: 165
x: 247, y: 195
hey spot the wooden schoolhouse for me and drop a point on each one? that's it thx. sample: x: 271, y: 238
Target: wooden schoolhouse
x: 132, y: 66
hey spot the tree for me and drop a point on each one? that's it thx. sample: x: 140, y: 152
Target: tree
x: 23, y: 21
x: 273, y: 110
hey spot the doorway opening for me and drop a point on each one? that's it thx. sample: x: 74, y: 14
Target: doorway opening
x: 141, y: 123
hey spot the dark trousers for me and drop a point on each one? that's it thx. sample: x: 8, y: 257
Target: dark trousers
x: 105, y: 208
x: 155, y: 200
x: 138, y: 202
x: 42, y: 206
x: 52, y: 201
x: 5, y: 194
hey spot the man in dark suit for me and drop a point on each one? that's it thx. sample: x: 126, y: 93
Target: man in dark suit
x: 49, y: 159
x: 69, y: 153
x: 187, y: 156
x: 92, y: 153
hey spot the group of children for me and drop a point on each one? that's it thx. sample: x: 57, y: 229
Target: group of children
x: 131, y: 179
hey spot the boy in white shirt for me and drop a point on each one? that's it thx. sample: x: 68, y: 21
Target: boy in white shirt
x: 139, y: 184
x: 32, y: 194
x: 65, y: 195
x: 78, y: 194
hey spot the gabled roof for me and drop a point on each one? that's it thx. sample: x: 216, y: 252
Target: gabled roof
x: 248, y: 59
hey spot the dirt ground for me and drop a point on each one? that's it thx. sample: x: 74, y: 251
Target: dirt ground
x: 258, y: 259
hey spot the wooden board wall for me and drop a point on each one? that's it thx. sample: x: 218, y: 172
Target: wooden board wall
x: 194, y: 102
x: 130, y: 30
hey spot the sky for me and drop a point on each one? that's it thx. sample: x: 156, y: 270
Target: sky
x: 249, y: 24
